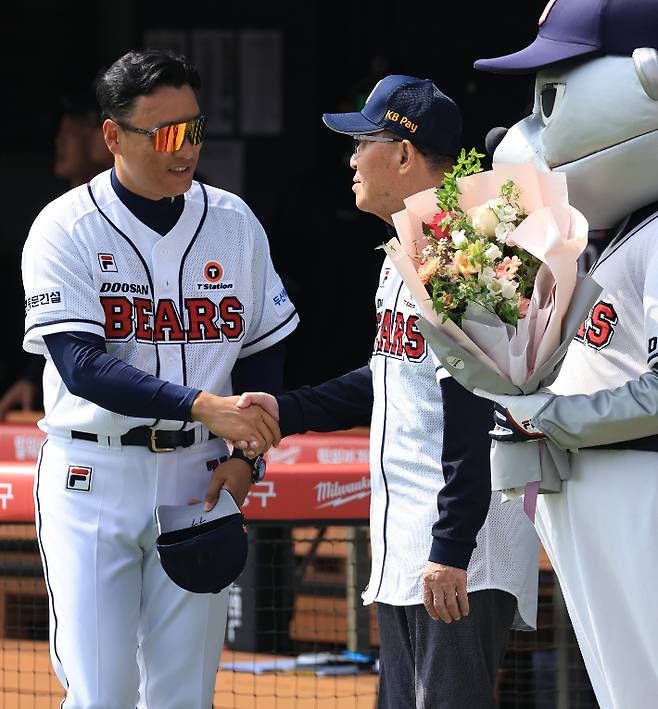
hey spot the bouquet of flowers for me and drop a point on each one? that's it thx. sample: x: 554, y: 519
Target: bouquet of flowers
x: 471, y: 259
x: 491, y: 261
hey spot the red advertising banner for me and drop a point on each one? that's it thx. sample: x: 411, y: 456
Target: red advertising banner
x: 20, y: 442
x: 16, y: 503
x: 309, y: 477
x: 310, y: 491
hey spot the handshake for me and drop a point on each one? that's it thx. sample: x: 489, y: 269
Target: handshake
x: 250, y: 421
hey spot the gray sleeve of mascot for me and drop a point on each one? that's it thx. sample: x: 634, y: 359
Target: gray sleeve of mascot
x: 607, y: 416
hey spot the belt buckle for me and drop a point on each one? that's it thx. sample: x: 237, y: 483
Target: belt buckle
x: 153, y: 447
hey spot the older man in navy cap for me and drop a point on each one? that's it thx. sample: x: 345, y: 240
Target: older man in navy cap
x: 429, y: 448
x: 596, y: 119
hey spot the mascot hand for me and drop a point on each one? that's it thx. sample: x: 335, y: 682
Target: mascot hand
x: 513, y: 416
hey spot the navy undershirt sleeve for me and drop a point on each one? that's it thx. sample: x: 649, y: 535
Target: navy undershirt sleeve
x: 334, y: 405
x: 262, y: 371
x: 463, y: 502
x: 89, y: 372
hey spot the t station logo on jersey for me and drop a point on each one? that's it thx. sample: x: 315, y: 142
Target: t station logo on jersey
x: 398, y: 336
x: 213, y: 272
x: 79, y: 478
x: 597, y: 331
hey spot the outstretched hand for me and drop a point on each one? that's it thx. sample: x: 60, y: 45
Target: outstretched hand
x: 266, y: 402
x: 253, y: 427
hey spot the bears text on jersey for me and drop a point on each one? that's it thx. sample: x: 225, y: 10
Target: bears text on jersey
x: 205, y: 320
x: 399, y: 336
x: 597, y: 331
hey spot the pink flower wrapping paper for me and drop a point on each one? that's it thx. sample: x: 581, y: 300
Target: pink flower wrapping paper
x: 485, y: 352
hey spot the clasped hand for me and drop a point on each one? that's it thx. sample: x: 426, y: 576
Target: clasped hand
x: 252, y: 428
x: 262, y: 412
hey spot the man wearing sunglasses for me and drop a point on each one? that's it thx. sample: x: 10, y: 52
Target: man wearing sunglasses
x: 429, y: 447
x: 152, y: 297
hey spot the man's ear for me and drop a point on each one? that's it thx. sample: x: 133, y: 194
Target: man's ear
x: 111, y: 136
x: 407, y: 155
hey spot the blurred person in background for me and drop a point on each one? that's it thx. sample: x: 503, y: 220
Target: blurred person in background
x: 80, y: 154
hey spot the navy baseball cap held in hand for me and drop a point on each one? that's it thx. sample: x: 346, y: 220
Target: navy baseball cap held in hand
x: 569, y: 29
x: 202, y: 552
x: 412, y: 108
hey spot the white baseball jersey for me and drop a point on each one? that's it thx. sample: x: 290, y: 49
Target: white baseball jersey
x: 619, y: 340
x: 183, y: 307
x: 405, y: 467
x: 600, y: 531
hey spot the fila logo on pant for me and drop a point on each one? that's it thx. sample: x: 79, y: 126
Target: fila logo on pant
x: 79, y: 478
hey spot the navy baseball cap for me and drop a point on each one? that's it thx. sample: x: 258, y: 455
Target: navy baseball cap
x: 202, y: 552
x: 569, y: 29
x: 413, y: 108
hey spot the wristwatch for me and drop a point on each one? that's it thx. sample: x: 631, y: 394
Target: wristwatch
x: 258, y: 465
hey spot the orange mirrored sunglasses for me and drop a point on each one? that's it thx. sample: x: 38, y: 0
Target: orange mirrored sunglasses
x: 170, y: 137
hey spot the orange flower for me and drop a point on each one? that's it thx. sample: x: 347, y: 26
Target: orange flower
x: 428, y: 269
x: 462, y: 265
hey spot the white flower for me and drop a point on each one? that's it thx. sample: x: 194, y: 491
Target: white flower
x: 507, y: 213
x: 483, y: 219
x: 508, y: 289
x: 494, y: 286
x: 496, y: 203
x: 503, y: 229
x: 493, y: 252
x: 458, y: 237
x: 486, y: 275
x: 427, y: 252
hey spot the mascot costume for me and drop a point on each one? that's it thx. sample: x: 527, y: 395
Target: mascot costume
x: 595, y: 118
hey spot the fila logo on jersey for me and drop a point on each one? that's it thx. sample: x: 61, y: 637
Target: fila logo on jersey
x: 79, y: 478
x: 107, y: 262
x: 398, y: 336
x: 597, y: 331
x: 206, y: 320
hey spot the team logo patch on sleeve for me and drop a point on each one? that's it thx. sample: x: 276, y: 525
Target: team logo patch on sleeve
x: 79, y: 478
x: 107, y: 263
